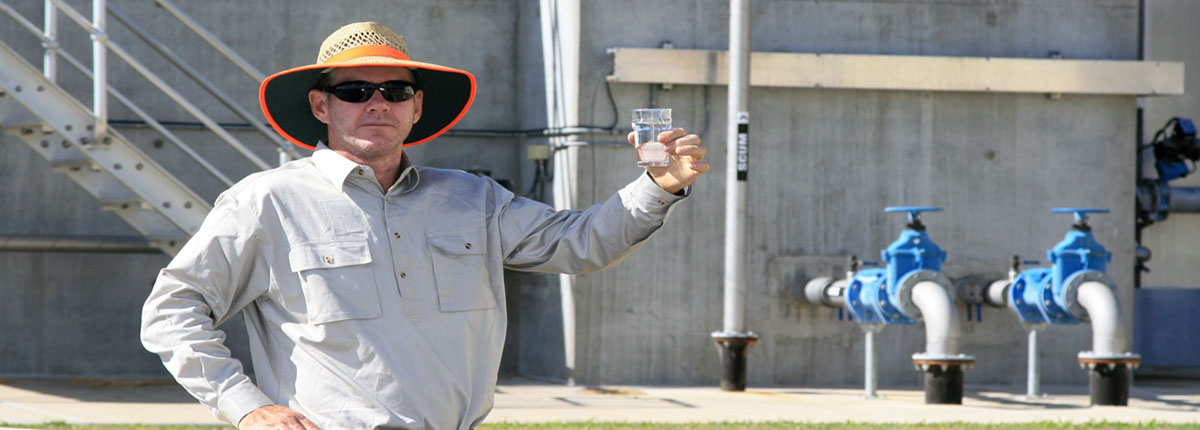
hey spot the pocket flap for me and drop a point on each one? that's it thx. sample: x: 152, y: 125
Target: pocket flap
x: 328, y: 255
x: 468, y: 242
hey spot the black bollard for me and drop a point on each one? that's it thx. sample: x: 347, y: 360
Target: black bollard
x: 943, y: 385
x: 1109, y: 384
x: 733, y: 361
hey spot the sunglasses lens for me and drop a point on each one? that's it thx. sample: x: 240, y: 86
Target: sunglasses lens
x: 397, y: 91
x: 353, y: 92
x: 361, y: 91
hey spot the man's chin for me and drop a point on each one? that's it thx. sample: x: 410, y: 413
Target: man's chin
x: 374, y: 147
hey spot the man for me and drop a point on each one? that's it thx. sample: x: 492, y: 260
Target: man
x: 373, y: 289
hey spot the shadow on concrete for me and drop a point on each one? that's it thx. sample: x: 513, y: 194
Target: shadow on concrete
x: 110, y: 390
x: 1006, y: 399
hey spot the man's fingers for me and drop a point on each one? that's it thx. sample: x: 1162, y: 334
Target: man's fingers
x: 670, y: 135
x: 690, y: 147
x: 630, y: 138
x: 308, y: 425
x: 276, y: 416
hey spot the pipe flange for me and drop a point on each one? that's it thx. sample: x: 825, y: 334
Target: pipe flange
x: 1071, y: 291
x: 727, y: 338
x: 948, y: 358
x: 1089, y: 360
x: 904, y: 290
x: 1124, y: 357
x: 924, y: 362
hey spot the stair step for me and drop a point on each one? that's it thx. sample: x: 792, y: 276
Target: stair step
x: 68, y: 165
x: 124, y: 204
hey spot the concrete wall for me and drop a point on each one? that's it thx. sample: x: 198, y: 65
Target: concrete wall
x: 824, y: 163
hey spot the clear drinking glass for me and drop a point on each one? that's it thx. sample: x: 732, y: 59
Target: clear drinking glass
x: 647, y: 124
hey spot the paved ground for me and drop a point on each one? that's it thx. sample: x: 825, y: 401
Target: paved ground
x: 520, y: 400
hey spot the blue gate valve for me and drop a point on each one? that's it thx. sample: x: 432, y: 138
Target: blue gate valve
x: 1047, y: 295
x: 883, y: 295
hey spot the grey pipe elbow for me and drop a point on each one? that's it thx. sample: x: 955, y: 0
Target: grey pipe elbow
x: 822, y: 290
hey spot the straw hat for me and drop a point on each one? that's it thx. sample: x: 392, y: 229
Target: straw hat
x: 284, y: 95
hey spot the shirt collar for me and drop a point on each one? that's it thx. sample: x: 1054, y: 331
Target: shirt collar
x: 337, y: 169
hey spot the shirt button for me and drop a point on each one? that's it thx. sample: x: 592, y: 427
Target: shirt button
x: 360, y: 172
x: 329, y: 259
x: 662, y: 202
x: 396, y: 234
x: 403, y: 275
x: 468, y: 246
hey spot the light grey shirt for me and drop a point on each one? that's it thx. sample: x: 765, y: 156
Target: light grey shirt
x: 369, y: 308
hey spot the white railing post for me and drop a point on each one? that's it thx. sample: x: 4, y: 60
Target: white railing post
x: 50, y: 30
x: 100, y: 69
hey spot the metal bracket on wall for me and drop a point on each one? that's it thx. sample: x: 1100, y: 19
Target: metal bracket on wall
x: 903, y: 72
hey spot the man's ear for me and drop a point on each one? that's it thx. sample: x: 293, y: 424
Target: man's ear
x: 417, y: 100
x: 319, y: 102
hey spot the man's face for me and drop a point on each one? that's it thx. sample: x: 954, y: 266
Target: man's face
x: 373, y: 130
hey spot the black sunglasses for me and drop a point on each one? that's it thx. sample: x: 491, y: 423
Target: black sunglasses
x: 361, y: 91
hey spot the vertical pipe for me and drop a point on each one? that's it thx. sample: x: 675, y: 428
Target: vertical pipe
x: 736, y: 174
x: 560, y: 62
x: 50, y: 30
x: 735, y: 183
x: 1108, y: 384
x: 99, y: 69
x: 734, y: 337
x: 944, y: 385
x: 1138, y: 142
x: 1033, y: 375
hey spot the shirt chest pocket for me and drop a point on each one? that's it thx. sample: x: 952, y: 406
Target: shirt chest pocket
x: 337, y: 281
x: 460, y: 270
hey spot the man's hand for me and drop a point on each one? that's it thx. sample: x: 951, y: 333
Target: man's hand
x: 687, y: 160
x: 273, y: 417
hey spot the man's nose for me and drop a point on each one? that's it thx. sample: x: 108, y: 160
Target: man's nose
x: 377, y: 102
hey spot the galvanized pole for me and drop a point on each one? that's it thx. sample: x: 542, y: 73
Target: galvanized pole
x: 50, y: 30
x: 100, y: 69
x: 1032, y: 376
x: 870, y: 370
x: 734, y: 339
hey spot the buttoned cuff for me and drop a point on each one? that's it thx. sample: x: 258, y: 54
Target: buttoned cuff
x: 238, y: 401
x: 646, y: 196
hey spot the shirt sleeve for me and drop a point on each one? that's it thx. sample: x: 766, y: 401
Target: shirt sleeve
x: 537, y: 238
x: 211, y: 279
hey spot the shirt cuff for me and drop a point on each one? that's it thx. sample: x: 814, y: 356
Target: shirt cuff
x: 235, y: 403
x: 646, y: 196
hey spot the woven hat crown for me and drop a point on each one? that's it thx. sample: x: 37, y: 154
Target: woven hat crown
x: 360, y: 34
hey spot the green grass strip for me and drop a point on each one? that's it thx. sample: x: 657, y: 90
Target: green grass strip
x: 776, y: 425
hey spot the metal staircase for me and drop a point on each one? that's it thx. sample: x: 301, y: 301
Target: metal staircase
x: 77, y: 141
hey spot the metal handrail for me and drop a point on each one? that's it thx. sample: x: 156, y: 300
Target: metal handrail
x: 154, y: 79
x: 99, y: 70
x: 187, y: 69
x: 155, y: 124
x: 137, y: 111
x: 213, y: 40
x: 286, y: 151
x: 50, y: 57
